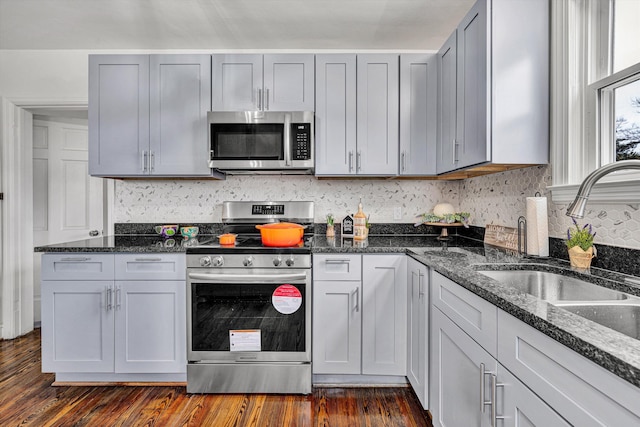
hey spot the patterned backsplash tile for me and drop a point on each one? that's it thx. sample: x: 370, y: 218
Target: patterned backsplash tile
x: 491, y: 199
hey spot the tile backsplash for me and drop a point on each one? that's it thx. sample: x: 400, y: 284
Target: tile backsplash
x: 491, y: 199
x: 200, y: 201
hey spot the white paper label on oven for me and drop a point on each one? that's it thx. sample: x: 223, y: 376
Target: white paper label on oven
x: 286, y: 299
x: 245, y: 339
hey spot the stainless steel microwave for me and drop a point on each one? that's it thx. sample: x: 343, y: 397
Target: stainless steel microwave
x: 261, y: 141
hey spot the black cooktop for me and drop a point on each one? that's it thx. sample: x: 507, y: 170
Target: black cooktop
x: 246, y: 244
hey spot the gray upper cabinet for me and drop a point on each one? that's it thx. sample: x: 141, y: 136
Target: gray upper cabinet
x: 335, y: 114
x: 418, y: 103
x: 147, y: 115
x: 118, y: 114
x: 180, y: 98
x: 445, y: 150
x: 501, y: 89
x: 277, y: 82
x: 357, y: 115
x: 377, y: 114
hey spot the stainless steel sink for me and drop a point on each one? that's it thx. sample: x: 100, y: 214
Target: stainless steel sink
x: 553, y: 287
x: 623, y: 317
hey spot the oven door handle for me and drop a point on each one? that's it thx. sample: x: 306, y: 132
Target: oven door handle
x: 247, y: 278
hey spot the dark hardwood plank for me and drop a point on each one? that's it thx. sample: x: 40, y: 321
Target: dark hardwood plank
x: 27, y: 398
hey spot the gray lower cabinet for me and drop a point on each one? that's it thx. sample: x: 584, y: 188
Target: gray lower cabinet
x: 528, y: 379
x: 357, y: 121
x: 359, y: 314
x: 499, y: 55
x: 124, y: 323
x: 418, y: 329
x: 460, y: 376
x: 148, y: 115
x: 271, y: 82
x: 418, y: 114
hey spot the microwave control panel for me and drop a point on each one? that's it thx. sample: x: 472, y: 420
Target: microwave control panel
x: 300, y: 141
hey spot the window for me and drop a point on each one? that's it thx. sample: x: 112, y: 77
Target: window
x: 595, y: 96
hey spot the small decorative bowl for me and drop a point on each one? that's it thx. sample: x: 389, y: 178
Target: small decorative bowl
x: 166, y: 231
x: 189, y: 231
x: 228, y: 239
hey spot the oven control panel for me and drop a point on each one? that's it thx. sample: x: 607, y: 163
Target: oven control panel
x: 249, y: 261
x: 300, y: 141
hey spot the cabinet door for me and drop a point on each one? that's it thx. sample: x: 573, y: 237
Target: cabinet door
x: 418, y: 103
x: 77, y: 326
x: 335, y: 114
x: 377, y: 111
x: 236, y: 82
x: 151, y: 327
x: 118, y: 115
x: 456, y: 376
x: 446, y: 146
x: 520, y: 406
x: 384, y: 314
x: 418, y: 330
x: 288, y: 82
x: 336, y: 327
x: 472, y: 105
x: 180, y: 97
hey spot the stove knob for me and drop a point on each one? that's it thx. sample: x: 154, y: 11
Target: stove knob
x: 205, y: 261
x: 290, y: 261
x: 218, y: 261
x: 248, y: 261
x: 277, y: 261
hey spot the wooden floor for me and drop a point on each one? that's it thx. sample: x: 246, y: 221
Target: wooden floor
x: 28, y: 399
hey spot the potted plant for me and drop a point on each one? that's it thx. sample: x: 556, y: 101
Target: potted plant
x: 580, y: 245
x: 331, y: 232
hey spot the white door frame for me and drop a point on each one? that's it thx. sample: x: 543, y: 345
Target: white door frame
x: 16, y: 210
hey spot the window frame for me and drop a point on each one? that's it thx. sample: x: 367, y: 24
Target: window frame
x: 581, y: 68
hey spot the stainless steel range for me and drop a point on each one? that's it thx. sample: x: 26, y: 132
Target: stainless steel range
x: 249, y: 306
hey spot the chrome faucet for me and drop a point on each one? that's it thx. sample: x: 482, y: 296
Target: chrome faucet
x: 576, y: 208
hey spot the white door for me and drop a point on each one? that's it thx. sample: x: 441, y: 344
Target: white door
x: 67, y: 202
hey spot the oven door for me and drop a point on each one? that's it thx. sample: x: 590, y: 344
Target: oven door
x: 241, y: 315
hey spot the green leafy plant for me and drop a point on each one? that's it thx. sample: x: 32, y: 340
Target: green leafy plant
x: 330, y: 219
x: 366, y: 222
x: 462, y: 217
x: 580, y: 236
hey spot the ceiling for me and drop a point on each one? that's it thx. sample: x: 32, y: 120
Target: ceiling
x: 229, y: 24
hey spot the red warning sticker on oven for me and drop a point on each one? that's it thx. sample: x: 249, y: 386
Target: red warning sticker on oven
x: 286, y: 299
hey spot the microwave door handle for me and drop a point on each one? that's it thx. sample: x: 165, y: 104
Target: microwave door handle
x: 287, y: 139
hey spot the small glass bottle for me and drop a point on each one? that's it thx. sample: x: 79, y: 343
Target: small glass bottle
x: 359, y: 224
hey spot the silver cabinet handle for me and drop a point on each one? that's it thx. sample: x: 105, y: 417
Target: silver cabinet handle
x: 259, y: 99
x: 350, y: 161
x: 118, y: 297
x: 94, y: 233
x: 455, y: 151
x: 420, y: 286
x: 266, y: 99
x: 337, y: 261
x: 109, y: 296
x: 74, y: 259
x: 483, y: 374
x: 359, y: 161
x: 494, y: 401
x: 148, y: 259
x: 403, y: 161
x: 143, y: 159
x: 356, y: 298
x: 152, y: 162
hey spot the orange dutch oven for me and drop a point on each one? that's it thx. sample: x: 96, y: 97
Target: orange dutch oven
x: 281, y: 233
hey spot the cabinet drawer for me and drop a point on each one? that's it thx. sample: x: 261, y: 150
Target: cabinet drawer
x: 474, y: 315
x: 337, y: 267
x: 584, y: 393
x: 150, y: 267
x: 77, y: 266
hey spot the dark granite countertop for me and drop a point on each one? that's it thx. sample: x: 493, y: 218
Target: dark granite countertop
x: 612, y: 350
x: 123, y: 243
